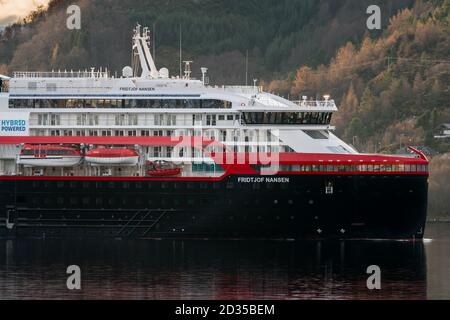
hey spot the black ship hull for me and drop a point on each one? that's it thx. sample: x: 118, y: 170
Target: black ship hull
x: 272, y: 207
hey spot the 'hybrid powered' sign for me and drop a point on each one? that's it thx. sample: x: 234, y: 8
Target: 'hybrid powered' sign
x: 14, y: 124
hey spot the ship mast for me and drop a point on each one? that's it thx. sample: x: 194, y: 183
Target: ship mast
x: 141, y: 47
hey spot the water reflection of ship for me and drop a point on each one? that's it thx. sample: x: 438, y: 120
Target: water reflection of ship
x: 324, y: 270
x: 235, y: 269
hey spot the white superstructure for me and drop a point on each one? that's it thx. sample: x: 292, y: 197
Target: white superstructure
x: 92, y: 103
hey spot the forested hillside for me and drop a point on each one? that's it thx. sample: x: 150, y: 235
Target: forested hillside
x: 391, y: 89
x: 279, y: 35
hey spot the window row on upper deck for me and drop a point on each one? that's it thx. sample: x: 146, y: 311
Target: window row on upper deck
x: 287, y: 117
x: 354, y: 168
x: 132, y: 119
x: 120, y: 103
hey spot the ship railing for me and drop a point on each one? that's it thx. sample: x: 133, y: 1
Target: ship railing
x: 315, y: 103
x: 268, y: 102
x: 61, y: 74
x: 243, y: 89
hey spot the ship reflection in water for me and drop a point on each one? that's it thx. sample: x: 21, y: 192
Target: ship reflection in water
x: 223, y: 269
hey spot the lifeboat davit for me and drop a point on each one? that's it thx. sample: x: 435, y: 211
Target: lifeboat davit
x: 49, y: 156
x: 112, y: 156
x: 163, y: 169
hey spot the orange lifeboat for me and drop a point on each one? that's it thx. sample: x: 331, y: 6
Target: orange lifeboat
x: 49, y: 156
x: 112, y: 156
x: 163, y: 169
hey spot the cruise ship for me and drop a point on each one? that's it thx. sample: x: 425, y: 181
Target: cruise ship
x: 150, y: 155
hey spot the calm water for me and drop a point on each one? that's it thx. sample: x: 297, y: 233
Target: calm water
x: 227, y: 269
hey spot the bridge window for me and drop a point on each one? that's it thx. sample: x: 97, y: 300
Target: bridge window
x: 121, y: 103
x: 317, y: 134
x: 287, y: 117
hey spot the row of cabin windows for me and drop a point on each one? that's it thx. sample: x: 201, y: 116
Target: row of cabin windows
x: 231, y: 136
x: 132, y: 119
x: 120, y: 103
x: 354, y: 168
x: 104, y: 133
x: 121, y: 133
x: 287, y: 117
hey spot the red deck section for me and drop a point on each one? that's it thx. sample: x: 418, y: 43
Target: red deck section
x: 234, y: 158
x: 313, y: 159
x: 244, y: 163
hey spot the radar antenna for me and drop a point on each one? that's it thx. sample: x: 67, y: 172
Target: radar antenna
x: 187, y: 69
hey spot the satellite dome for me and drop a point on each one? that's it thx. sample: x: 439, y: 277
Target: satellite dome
x: 164, y: 73
x: 127, y: 72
